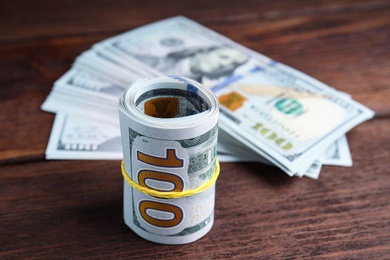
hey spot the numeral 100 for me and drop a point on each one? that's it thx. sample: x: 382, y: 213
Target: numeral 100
x: 174, y: 213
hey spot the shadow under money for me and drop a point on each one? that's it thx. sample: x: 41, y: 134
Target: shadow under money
x: 271, y: 175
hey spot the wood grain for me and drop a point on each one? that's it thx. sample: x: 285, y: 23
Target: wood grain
x: 73, y: 209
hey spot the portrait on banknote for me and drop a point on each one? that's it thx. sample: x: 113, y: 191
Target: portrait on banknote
x: 180, y: 48
x: 201, y: 63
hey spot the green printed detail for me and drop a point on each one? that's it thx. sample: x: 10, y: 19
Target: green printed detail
x: 208, y: 174
x: 132, y: 135
x: 191, y: 230
x: 271, y: 135
x: 200, y: 161
x: 289, y: 106
x: 200, y: 139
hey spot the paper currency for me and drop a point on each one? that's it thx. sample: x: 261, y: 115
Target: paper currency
x: 79, y: 138
x: 87, y: 94
x: 169, y: 138
x: 179, y: 46
x: 338, y: 153
x: 98, y: 62
x: 95, y: 97
x: 287, y: 119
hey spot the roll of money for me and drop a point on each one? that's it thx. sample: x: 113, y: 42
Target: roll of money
x: 169, y: 130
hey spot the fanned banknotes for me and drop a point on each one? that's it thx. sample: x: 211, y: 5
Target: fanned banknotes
x: 283, y: 117
x: 169, y: 138
x: 270, y: 113
x: 289, y: 139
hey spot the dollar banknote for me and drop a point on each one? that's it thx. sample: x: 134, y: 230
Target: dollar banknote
x: 338, y: 153
x: 85, y: 90
x: 287, y: 120
x: 169, y: 138
x: 84, y: 93
x: 290, y: 139
x: 97, y: 62
x: 180, y: 46
x: 80, y: 138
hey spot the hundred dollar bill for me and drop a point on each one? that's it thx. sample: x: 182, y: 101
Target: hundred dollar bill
x: 94, y: 61
x: 89, y: 86
x: 289, y: 139
x: 87, y: 94
x: 86, y: 90
x: 286, y: 118
x: 169, y: 138
x: 231, y: 150
x: 338, y: 153
x: 179, y: 46
x: 79, y: 138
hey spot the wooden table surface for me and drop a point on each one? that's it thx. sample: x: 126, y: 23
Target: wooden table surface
x: 73, y: 209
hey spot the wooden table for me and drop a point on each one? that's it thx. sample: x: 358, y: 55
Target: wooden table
x: 73, y: 209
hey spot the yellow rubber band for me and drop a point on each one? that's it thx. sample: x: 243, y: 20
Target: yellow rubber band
x: 171, y: 194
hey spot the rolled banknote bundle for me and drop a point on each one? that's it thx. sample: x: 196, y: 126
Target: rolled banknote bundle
x: 169, y: 137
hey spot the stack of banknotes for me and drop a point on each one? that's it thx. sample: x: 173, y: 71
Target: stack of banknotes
x: 269, y: 112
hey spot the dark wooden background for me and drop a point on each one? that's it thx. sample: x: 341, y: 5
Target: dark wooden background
x: 73, y: 209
